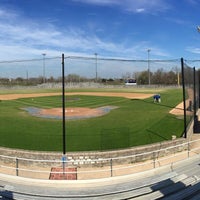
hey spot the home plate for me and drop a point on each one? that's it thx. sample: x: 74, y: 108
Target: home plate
x: 69, y: 110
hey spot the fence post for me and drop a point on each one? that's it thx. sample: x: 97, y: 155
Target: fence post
x: 184, y: 98
x: 64, y: 160
x: 111, y: 168
x: 198, y: 83
x: 188, y: 148
x: 17, y: 167
x: 194, y: 91
x: 154, y: 159
x: 63, y: 105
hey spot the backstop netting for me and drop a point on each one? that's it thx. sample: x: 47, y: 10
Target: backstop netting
x: 126, y: 120
x: 190, y: 77
x: 31, y: 72
x: 89, y: 69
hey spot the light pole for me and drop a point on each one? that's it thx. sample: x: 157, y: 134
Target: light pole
x: 96, y: 65
x: 44, y: 54
x: 198, y: 29
x: 148, y: 51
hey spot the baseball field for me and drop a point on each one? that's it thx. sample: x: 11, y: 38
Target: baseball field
x: 96, y: 119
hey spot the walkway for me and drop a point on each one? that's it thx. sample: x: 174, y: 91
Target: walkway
x: 178, y: 181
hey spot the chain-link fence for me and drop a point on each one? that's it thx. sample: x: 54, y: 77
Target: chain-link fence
x: 90, y: 69
x: 190, y: 79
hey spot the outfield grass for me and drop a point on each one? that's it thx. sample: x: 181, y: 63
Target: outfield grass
x: 133, y: 123
x: 47, y: 90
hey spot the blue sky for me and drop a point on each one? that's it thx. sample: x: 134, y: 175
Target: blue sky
x: 111, y: 28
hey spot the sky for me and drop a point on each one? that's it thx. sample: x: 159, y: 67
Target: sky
x: 111, y: 28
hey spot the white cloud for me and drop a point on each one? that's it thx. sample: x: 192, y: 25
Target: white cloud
x: 193, y: 50
x: 193, y: 2
x: 179, y: 21
x: 7, y: 15
x: 100, y: 2
x: 146, y: 6
x: 22, y: 37
x: 140, y: 10
x: 135, y: 6
x: 18, y: 39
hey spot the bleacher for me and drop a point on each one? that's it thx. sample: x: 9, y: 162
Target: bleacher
x: 176, y: 182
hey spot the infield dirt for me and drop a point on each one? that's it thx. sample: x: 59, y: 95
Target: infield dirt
x: 176, y: 111
x: 109, y: 94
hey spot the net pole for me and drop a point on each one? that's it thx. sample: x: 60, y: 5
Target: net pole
x: 184, y: 105
x: 198, y: 89
x: 194, y: 91
x: 195, y: 117
x: 63, y: 103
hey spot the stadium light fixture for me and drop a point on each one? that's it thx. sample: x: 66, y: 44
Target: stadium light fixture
x: 198, y: 29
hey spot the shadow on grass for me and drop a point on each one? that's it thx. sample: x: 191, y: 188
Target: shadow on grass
x: 155, y: 103
x: 150, y: 133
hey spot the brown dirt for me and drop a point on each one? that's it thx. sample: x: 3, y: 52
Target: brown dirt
x: 18, y: 96
x: 179, y: 109
x: 72, y: 112
x: 84, y: 112
x: 114, y: 94
x: 109, y: 94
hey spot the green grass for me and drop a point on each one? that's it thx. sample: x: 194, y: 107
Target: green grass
x: 133, y: 123
x: 42, y: 90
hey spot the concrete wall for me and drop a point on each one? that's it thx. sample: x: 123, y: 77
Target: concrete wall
x: 96, y: 158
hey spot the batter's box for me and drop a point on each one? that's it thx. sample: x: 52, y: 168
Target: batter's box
x: 58, y: 173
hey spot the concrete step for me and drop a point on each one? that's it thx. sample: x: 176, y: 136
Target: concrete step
x: 190, y: 192
x: 171, y: 189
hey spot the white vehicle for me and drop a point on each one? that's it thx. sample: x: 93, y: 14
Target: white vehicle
x: 131, y: 81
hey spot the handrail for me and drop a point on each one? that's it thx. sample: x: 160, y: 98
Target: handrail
x: 101, y: 159
x: 110, y: 167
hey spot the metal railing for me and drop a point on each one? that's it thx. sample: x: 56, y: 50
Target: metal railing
x: 101, y: 167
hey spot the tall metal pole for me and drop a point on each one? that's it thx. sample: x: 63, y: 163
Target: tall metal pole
x: 96, y: 65
x: 198, y: 29
x: 194, y: 91
x: 148, y: 51
x: 63, y: 103
x: 44, y: 54
x: 184, y: 98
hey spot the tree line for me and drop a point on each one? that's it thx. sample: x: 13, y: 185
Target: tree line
x: 161, y: 77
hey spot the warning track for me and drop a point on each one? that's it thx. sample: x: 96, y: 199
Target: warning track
x: 108, y: 94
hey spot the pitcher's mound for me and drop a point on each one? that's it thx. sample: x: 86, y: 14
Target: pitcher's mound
x: 70, y: 113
